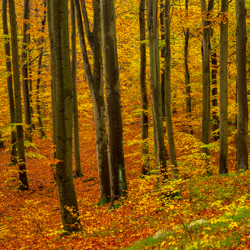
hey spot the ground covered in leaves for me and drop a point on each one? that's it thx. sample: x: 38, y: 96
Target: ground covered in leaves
x: 31, y: 219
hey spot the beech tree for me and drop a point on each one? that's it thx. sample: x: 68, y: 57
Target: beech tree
x: 143, y: 88
x: 64, y: 178
x: 153, y: 35
x: 9, y: 82
x: 242, y: 150
x: 113, y: 105
x: 223, y: 89
x: 18, y: 99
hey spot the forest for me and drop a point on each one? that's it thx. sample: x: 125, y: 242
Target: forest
x: 124, y: 124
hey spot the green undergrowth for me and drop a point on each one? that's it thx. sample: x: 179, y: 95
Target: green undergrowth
x: 221, y: 203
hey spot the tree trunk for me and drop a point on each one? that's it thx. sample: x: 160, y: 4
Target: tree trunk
x: 95, y: 82
x: 18, y: 99
x: 206, y: 32
x: 64, y: 178
x: 53, y: 76
x: 172, y: 153
x: 41, y: 41
x: 25, y: 70
x: 9, y: 83
x: 113, y: 105
x: 1, y: 141
x: 152, y: 12
x: 78, y: 170
x: 187, y: 75
x: 143, y: 88
x: 223, y: 90
x: 242, y: 150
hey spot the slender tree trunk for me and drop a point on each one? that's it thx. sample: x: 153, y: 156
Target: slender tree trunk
x: 9, y: 83
x: 25, y: 70
x: 38, y: 106
x: 242, y: 150
x: 113, y: 105
x: 172, y: 153
x: 206, y: 32
x: 64, y: 178
x: 163, y: 84
x: 78, y: 170
x: 52, y: 69
x: 18, y: 99
x: 223, y: 90
x: 187, y: 75
x: 95, y: 82
x: 143, y: 88
x: 152, y: 13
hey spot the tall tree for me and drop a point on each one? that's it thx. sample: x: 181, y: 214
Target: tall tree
x: 113, y: 104
x: 223, y: 89
x: 18, y: 99
x: 40, y: 43
x: 242, y: 150
x: 153, y: 35
x: 95, y: 83
x: 25, y: 70
x: 171, y: 145
x: 9, y: 82
x: 78, y: 170
x: 143, y: 88
x: 64, y: 178
x: 206, y: 33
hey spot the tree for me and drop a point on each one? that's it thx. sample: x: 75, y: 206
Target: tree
x: 153, y: 35
x: 78, y: 170
x: 64, y: 178
x: 206, y: 33
x: 143, y: 89
x: 9, y: 83
x: 18, y: 99
x: 223, y: 89
x: 25, y: 70
x: 171, y: 145
x: 242, y: 150
x: 95, y: 83
x: 115, y: 132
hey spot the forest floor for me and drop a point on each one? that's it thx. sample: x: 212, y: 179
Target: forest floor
x: 32, y: 220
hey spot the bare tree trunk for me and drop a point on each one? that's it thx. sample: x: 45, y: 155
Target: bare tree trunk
x: 95, y: 82
x: 223, y: 90
x: 41, y: 41
x: 206, y: 48
x: 78, y: 170
x: 64, y: 178
x: 144, y: 98
x: 172, y: 153
x: 9, y: 84
x: 25, y: 70
x: 152, y: 12
x: 18, y: 99
x: 113, y: 105
x: 242, y: 150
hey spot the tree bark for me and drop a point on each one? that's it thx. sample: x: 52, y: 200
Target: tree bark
x: 95, y: 82
x: 78, y: 170
x: 25, y: 70
x: 206, y: 33
x: 18, y: 99
x: 223, y: 90
x: 9, y: 83
x: 242, y: 150
x: 171, y: 145
x: 113, y: 105
x: 153, y: 35
x: 143, y: 88
x: 64, y: 178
